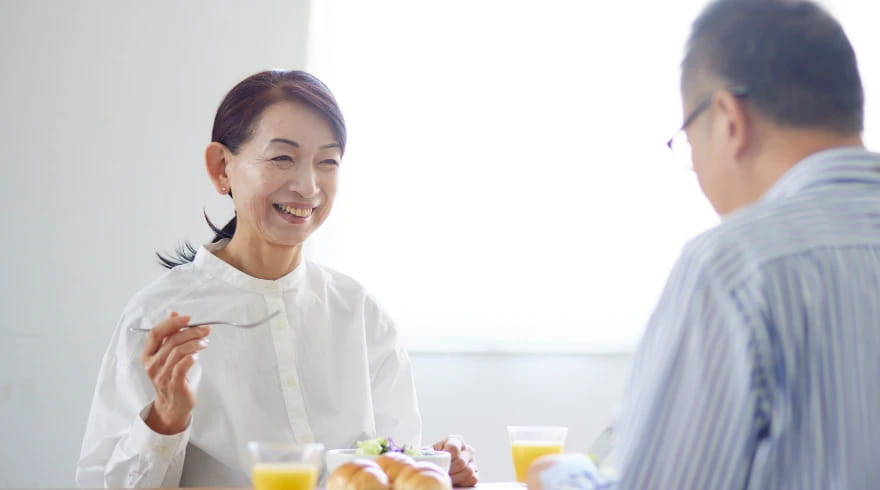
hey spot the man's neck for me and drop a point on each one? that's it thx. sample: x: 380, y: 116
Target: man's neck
x: 788, y: 147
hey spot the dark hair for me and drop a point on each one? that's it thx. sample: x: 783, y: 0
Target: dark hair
x: 238, y: 116
x: 793, y: 56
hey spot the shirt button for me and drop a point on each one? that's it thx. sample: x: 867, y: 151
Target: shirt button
x: 291, y: 382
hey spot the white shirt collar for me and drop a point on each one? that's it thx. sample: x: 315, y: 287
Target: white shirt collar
x: 208, y: 263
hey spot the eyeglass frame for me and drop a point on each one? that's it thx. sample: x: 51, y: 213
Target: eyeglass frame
x: 736, y: 91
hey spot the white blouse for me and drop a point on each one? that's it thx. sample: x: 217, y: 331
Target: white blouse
x: 328, y: 369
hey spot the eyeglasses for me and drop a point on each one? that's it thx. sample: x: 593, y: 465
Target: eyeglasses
x: 679, y: 144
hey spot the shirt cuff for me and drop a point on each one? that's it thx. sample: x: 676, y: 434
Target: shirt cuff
x: 160, y: 446
x: 570, y: 472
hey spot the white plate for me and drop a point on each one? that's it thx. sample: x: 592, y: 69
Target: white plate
x: 336, y: 457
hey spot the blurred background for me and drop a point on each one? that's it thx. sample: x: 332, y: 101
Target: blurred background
x: 506, y: 192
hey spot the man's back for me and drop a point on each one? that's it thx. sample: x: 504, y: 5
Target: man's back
x: 759, y: 369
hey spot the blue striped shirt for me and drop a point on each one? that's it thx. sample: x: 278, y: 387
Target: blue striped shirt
x: 760, y: 367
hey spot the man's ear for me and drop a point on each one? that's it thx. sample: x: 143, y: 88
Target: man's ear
x: 736, y: 122
x: 216, y: 160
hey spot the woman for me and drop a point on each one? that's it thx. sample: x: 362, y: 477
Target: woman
x: 171, y: 411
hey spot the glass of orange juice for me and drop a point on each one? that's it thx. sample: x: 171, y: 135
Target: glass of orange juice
x: 528, y: 443
x: 283, y: 466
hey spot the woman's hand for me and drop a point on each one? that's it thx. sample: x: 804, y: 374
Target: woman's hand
x: 168, y: 355
x: 462, y: 467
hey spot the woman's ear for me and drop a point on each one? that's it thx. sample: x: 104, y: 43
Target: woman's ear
x: 216, y: 159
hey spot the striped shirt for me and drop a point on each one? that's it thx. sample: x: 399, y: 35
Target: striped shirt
x: 760, y: 368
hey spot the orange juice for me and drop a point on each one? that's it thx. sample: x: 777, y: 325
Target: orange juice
x: 284, y: 476
x: 524, y: 452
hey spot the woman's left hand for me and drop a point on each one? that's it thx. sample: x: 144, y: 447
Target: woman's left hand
x: 462, y: 467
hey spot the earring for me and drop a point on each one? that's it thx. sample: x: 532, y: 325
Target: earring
x: 223, y: 190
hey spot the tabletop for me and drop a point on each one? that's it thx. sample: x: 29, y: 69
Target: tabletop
x: 480, y: 486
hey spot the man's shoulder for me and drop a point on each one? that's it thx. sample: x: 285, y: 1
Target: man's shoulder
x: 761, y: 233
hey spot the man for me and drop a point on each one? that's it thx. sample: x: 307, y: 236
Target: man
x: 759, y: 368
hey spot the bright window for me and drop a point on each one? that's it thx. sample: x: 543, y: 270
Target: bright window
x: 506, y: 185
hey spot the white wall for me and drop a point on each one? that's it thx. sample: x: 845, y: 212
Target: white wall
x: 478, y: 395
x: 105, y: 107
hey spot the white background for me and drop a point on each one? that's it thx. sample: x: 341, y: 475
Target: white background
x: 106, y: 106
x: 507, y: 184
x: 509, y: 159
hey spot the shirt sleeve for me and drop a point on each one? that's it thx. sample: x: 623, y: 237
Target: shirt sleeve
x: 119, y: 450
x: 395, y: 406
x: 694, y: 406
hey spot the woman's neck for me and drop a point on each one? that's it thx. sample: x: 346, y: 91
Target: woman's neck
x: 259, y: 259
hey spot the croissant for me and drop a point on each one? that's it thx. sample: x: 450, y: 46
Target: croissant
x: 393, y: 463
x: 358, y: 474
x: 422, y: 476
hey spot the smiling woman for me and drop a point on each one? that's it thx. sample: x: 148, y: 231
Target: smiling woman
x: 240, y: 118
x: 284, y: 188
x: 328, y: 369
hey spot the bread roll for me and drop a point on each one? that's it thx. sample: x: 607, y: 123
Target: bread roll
x: 422, y: 476
x: 393, y: 463
x: 358, y: 474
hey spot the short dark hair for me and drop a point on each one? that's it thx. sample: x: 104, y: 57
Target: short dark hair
x: 237, y: 117
x: 793, y: 56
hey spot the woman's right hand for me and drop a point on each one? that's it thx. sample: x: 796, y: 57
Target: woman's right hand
x: 168, y: 355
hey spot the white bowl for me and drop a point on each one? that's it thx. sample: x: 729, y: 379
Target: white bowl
x: 336, y: 457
